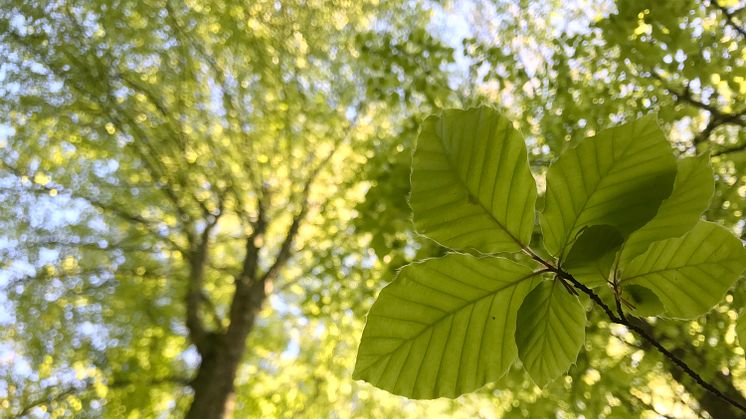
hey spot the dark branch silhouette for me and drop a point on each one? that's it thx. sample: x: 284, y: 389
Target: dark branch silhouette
x: 730, y: 18
x: 623, y: 320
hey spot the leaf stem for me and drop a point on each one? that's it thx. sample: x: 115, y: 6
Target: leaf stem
x: 623, y: 320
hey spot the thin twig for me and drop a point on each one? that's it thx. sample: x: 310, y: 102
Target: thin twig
x: 621, y: 319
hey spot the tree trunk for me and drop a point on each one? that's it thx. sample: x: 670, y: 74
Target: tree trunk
x: 213, y: 385
x: 221, y: 355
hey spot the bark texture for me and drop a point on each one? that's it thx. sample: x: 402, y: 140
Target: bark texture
x: 221, y: 355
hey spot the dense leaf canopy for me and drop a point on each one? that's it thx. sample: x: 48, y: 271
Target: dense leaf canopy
x: 185, y: 179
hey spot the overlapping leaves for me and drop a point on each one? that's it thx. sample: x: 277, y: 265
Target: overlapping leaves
x: 617, y: 178
x: 439, y: 329
x: 619, y: 210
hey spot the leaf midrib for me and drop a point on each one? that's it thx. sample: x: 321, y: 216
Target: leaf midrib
x: 452, y: 313
x: 610, y: 169
x: 471, y: 197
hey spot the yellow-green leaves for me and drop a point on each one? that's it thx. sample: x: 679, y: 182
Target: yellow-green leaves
x: 689, y: 274
x: 619, y: 211
x: 617, y: 178
x: 550, y: 332
x: 691, y: 193
x: 678, y: 214
x: 471, y: 185
x: 592, y: 255
x: 444, y: 327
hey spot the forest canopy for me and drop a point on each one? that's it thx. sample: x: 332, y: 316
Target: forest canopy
x: 202, y: 200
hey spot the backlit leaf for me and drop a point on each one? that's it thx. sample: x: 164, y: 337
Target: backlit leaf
x: 642, y: 302
x: 550, y: 331
x: 691, y: 194
x: 471, y: 183
x: 592, y: 254
x: 689, y: 274
x: 617, y: 178
x: 444, y: 326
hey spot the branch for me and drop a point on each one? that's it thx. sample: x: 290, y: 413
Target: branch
x: 199, y: 256
x: 249, y: 293
x: 88, y: 245
x: 686, y: 95
x: 668, y: 354
x: 251, y: 288
x: 102, y: 78
x: 729, y: 18
x: 259, y: 227
x: 621, y: 319
x: 47, y: 399
x: 728, y: 150
x: 231, y: 105
x: 704, y: 135
x: 118, y: 383
x: 210, y: 306
x: 284, y: 253
x: 50, y: 398
x: 717, y: 116
x: 717, y: 121
x: 41, y: 275
x: 114, y: 209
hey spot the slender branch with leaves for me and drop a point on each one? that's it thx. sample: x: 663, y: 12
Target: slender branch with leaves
x: 621, y: 231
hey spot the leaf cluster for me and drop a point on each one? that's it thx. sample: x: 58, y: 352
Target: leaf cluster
x: 622, y: 216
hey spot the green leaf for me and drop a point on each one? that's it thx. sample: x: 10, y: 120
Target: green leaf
x: 645, y: 303
x: 618, y: 178
x: 592, y: 255
x: 692, y: 191
x: 471, y: 184
x: 444, y: 327
x: 550, y: 331
x: 689, y: 274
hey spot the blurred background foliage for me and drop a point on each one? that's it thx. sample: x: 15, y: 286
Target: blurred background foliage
x: 137, y: 136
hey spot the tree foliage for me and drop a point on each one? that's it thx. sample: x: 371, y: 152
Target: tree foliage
x: 201, y: 156
x: 434, y: 330
x: 126, y: 128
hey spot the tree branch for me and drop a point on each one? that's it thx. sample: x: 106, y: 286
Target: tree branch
x: 685, y: 95
x: 102, y: 78
x: 44, y: 400
x: 50, y: 398
x: 729, y: 18
x: 119, y: 383
x: 623, y: 320
x: 717, y: 116
x: 198, y: 259
x: 729, y: 150
x: 284, y: 253
x: 114, y: 209
x: 668, y: 354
